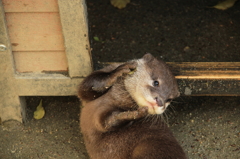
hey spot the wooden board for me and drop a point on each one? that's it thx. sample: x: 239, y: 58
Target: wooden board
x: 76, y: 39
x: 10, y: 105
x: 35, y: 31
x: 40, y: 61
x: 205, y: 70
x: 46, y: 85
x: 30, y: 5
x: 205, y: 78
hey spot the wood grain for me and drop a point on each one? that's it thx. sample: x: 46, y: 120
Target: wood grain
x: 30, y: 5
x: 40, y: 61
x: 205, y: 70
x: 46, y: 85
x: 35, y: 31
x: 207, y: 78
x: 10, y: 103
x: 75, y: 32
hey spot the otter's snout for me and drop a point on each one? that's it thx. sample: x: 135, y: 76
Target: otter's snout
x: 159, y: 102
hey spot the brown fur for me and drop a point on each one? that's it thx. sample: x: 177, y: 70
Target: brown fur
x: 115, y: 122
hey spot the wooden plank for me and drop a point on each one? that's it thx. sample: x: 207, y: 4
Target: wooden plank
x: 75, y: 30
x: 201, y: 70
x: 206, y: 70
x: 205, y: 78
x: 40, y: 61
x: 35, y: 31
x: 46, y: 85
x: 30, y: 5
x: 10, y: 105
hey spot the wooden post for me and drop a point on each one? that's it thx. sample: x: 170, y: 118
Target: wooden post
x: 10, y: 104
x: 75, y: 29
x: 207, y: 78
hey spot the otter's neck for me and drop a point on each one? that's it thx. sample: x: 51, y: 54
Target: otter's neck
x: 121, y: 96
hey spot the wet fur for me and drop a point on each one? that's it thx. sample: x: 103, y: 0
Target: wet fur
x: 115, y: 125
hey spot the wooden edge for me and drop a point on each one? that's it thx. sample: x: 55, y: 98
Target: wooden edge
x: 217, y: 76
x: 201, y: 70
x: 10, y: 105
x: 27, y: 61
x: 205, y: 70
x: 73, y: 16
x: 24, y: 6
x: 47, y: 85
x: 206, y: 78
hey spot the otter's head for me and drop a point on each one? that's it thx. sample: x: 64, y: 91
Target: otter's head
x: 152, y: 85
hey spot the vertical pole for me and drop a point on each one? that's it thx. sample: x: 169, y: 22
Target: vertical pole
x: 10, y: 103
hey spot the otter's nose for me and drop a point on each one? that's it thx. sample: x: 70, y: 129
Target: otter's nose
x: 159, y: 102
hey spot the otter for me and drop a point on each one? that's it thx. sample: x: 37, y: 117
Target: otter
x: 121, y: 107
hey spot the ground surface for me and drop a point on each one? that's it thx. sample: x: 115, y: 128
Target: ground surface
x: 180, y: 30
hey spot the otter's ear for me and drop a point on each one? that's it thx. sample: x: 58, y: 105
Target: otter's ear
x: 148, y: 57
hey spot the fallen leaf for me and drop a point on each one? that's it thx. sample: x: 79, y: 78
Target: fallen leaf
x: 96, y: 38
x: 187, y: 48
x: 225, y: 4
x: 39, y: 112
x: 120, y: 4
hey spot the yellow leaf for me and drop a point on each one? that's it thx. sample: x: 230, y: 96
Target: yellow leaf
x: 120, y: 4
x: 39, y: 112
x: 225, y: 4
x: 96, y: 38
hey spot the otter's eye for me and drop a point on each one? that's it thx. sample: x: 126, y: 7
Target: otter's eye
x: 155, y: 83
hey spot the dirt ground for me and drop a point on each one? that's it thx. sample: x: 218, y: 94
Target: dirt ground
x: 179, y: 30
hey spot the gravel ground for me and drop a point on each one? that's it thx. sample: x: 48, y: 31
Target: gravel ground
x: 179, y: 30
x: 206, y: 127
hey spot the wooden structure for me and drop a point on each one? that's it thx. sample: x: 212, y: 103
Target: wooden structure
x: 207, y: 78
x: 44, y: 51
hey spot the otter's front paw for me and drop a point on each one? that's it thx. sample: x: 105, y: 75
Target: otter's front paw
x: 141, y: 112
x: 116, y: 118
x: 132, y: 115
